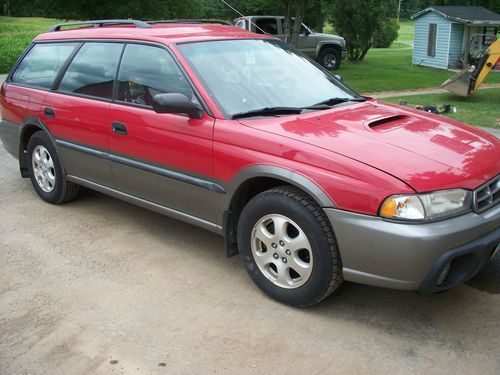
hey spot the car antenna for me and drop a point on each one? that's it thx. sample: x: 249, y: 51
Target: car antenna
x: 242, y: 15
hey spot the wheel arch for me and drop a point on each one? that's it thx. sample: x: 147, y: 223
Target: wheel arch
x: 254, y: 180
x: 322, y: 45
x: 29, y: 126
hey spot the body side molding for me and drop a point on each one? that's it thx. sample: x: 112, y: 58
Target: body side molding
x: 148, y: 204
x: 192, y: 180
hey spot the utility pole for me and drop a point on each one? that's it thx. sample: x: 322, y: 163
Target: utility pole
x: 399, y: 9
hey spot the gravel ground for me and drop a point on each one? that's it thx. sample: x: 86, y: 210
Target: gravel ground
x: 99, y: 286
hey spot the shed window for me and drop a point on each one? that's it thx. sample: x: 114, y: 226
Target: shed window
x: 431, y: 40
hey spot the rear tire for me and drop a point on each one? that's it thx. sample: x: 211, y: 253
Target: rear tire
x: 300, y: 264
x: 46, y: 172
x: 329, y: 58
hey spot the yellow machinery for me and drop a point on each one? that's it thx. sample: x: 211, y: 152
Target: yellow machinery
x: 468, y: 81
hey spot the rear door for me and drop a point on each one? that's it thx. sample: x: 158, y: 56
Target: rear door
x: 25, y: 89
x: 78, y: 112
x: 162, y: 158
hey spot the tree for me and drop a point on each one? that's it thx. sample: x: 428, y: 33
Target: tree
x: 292, y: 25
x: 358, y: 21
x: 293, y: 10
x: 386, y: 34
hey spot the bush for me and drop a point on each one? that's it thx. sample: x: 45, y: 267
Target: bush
x: 386, y: 34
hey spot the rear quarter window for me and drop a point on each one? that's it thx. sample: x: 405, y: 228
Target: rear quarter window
x: 42, y: 64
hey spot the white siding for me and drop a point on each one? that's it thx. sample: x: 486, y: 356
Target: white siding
x: 440, y: 60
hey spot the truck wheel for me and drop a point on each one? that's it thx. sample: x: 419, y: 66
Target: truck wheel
x: 288, y: 247
x: 46, y: 172
x: 329, y: 58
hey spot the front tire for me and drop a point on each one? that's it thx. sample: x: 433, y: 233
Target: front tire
x: 288, y: 247
x: 330, y: 58
x: 46, y: 172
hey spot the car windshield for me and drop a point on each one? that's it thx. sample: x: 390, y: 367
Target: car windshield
x: 254, y: 74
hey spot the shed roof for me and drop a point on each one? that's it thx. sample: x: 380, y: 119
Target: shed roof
x: 463, y: 14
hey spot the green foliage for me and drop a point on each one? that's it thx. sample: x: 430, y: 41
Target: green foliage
x: 98, y: 9
x: 410, y: 7
x: 216, y: 9
x: 358, y: 20
x: 16, y: 35
x: 386, y: 34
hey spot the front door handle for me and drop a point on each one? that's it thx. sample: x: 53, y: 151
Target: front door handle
x: 49, y: 112
x: 119, y: 128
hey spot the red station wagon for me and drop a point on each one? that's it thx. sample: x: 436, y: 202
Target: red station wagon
x: 243, y: 135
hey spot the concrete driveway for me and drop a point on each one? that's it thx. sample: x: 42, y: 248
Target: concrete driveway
x: 98, y: 286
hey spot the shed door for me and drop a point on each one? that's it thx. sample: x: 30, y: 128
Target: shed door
x: 431, y: 40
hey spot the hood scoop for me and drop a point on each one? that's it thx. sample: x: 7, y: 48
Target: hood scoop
x: 388, y: 123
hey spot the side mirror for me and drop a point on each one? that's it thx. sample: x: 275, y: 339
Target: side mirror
x: 307, y: 32
x: 176, y: 103
x: 339, y: 77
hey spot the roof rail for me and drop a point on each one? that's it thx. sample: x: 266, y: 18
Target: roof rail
x: 189, y: 20
x: 99, y: 23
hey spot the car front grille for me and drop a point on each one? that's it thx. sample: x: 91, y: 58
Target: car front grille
x: 487, y: 195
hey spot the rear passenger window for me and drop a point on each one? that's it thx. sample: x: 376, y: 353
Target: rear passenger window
x: 146, y: 71
x: 93, y: 69
x: 42, y: 64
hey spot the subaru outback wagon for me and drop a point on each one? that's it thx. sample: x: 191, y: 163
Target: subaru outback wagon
x: 243, y: 135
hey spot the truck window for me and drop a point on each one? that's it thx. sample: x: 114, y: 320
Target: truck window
x: 42, y: 64
x: 266, y: 25
x: 240, y: 24
x: 93, y: 69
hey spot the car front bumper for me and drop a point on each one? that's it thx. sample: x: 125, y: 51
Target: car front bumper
x: 396, y: 255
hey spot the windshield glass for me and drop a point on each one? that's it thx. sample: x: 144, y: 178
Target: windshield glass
x: 251, y: 74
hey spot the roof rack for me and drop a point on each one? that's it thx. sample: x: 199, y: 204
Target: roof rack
x: 100, y: 23
x: 189, y: 20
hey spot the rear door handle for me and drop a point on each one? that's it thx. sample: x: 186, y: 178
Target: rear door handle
x: 119, y: 128
x: 49, y: 112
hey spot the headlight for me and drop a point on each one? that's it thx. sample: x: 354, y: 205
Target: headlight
x: 429, y: 206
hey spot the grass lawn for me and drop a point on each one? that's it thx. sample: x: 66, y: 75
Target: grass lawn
x: 386, y: 69
x: 16, y: 35
x: 481, y: 109
x: 405, y: 33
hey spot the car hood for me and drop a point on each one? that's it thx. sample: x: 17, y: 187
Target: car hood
x: 428, y: 152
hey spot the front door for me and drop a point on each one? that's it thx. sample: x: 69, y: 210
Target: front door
x: 162, y: 158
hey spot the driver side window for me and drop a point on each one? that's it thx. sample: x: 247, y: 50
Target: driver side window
x: 146, y: 71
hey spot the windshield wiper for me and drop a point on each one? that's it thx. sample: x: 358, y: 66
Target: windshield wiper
x: 333, y: 101
x: 268, y: 111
